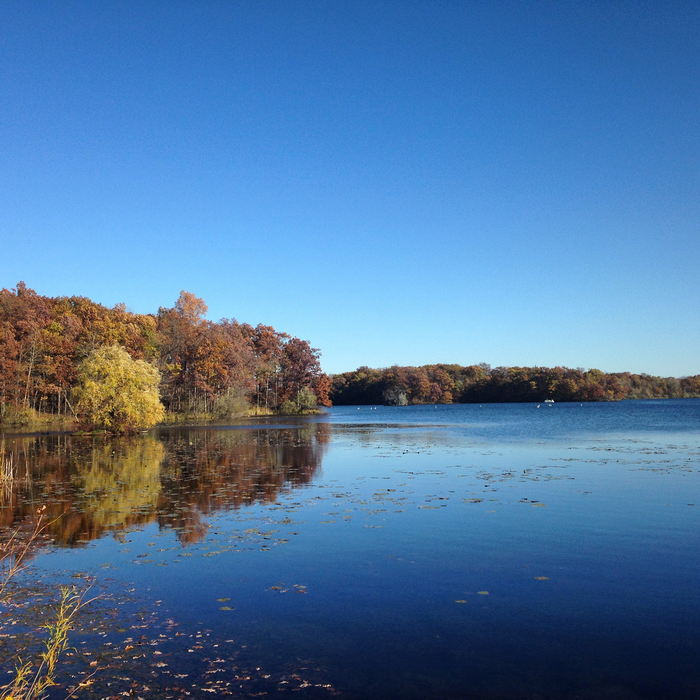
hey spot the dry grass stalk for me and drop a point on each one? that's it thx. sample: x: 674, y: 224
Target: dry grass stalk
x: 10, y: 477
x: 7, y: 469
x: 14, y: 551
x: 30, y: 682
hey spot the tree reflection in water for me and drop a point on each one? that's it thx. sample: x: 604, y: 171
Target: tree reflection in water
x: 94, y: 485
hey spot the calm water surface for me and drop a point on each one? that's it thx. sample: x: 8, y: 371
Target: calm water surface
x: 495, y: 551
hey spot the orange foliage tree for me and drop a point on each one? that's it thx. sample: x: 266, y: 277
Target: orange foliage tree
x: 43, y: 340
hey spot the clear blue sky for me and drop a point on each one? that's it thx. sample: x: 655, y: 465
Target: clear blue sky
x: 403, y: 182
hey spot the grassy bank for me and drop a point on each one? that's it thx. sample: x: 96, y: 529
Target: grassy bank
x: 253, y: 412
x: 28, y: 419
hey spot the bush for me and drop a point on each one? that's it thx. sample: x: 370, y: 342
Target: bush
x: 232, y: 403
x: 117, y: 393
x: 303, y: 402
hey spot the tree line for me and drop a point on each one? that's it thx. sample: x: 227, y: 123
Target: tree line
x: 218, y: 368
x: 444, y: 383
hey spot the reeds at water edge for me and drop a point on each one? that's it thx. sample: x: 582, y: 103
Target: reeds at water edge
x: 7, y: 469
x: 10, y: 477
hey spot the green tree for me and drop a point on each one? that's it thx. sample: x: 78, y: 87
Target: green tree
x: 117, y: 393
x: 304, y: 402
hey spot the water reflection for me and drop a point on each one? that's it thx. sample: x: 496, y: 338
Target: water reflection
x: 96, y: 485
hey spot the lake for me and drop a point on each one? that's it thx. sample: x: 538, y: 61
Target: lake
x: 462, y: 551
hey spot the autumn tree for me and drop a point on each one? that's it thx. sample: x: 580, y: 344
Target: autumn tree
x: 268, y: 348
x: 181, y: 329
x: 300, y: 367
x: 117, y: 393
x: 322, y: 389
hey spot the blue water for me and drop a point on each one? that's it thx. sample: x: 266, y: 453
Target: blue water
x: 495, y: 551
x: 523, y: 420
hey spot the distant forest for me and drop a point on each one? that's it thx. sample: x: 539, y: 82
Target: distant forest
x: 400, y: 386
x: 227, y: 368
x: 219, y: 368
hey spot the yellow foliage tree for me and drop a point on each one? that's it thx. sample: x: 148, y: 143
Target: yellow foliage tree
x: 117, y: 393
